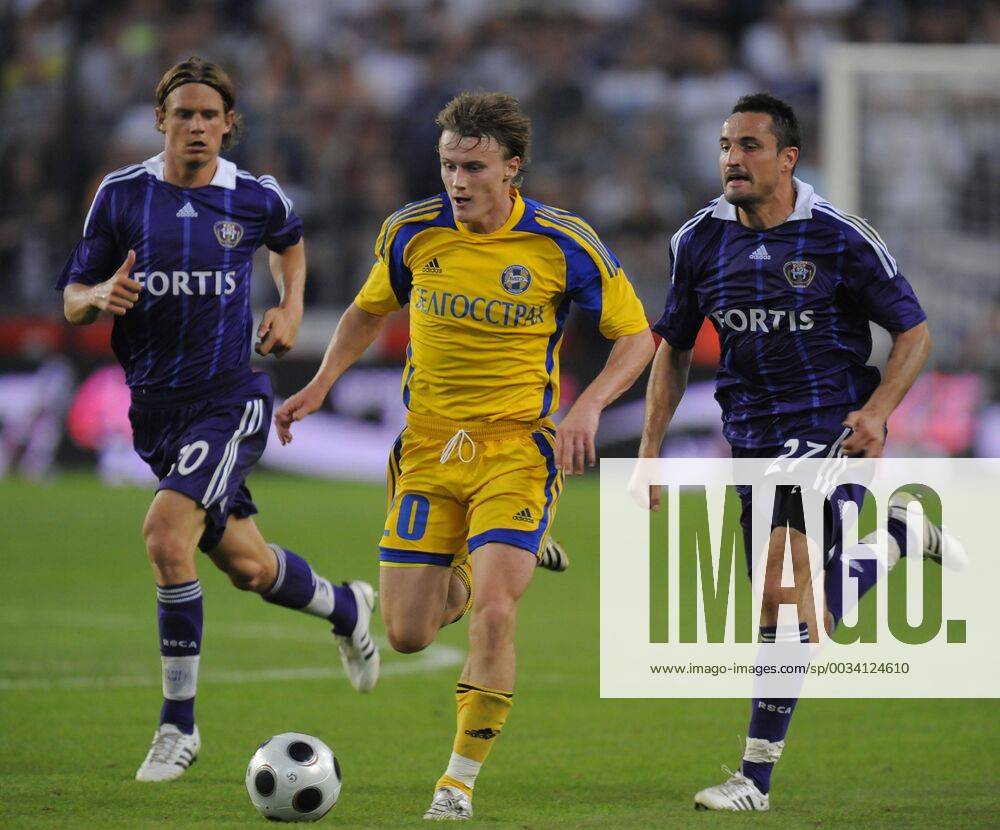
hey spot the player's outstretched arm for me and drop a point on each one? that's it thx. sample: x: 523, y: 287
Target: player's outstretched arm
x: 355, y: 332
x: 82, y: 304
x: 910, y: 349
x: 277, y: 331
x: 668, y: 379
x: 575, y: 435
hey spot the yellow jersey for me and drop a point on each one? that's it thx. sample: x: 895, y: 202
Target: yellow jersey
x: 487, y: 310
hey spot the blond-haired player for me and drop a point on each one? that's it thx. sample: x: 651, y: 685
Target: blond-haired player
x: 475, y: 476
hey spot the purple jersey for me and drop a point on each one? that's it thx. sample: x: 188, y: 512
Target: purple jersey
x: 791, y: 305
x: 192, y: 325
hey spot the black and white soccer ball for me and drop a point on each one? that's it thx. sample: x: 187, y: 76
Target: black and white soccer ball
x: 293, y: 777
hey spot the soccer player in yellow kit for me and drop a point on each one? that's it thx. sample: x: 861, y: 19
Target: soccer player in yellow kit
x: 475, y: 476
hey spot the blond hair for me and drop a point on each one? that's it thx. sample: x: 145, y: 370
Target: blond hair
x: 486, y: 115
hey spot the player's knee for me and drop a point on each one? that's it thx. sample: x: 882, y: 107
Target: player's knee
x: 165, y: 547
x: 407, y: 638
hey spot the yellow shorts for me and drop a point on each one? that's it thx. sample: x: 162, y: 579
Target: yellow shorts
x: 454, y: 487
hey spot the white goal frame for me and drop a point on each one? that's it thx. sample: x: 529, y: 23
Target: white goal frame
x: 841, y: 110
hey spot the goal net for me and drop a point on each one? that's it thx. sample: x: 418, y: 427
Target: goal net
x: 912, y: 143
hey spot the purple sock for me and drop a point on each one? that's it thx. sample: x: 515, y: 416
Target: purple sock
x: 180, y: 615
x: 297, y: 586
x: 864, y: 571
x: 771, y: 716
x: 345, y: 610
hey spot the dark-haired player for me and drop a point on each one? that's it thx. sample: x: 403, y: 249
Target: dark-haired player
x: 476, y: 474
x: 168, y: 249
x: 790, y: 283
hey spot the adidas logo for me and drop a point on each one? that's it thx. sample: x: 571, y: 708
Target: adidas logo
x: 486, y: 734
x: 523, y: 515
x: 760, y: 253
x: 432, y: 267
x: 187, y: 212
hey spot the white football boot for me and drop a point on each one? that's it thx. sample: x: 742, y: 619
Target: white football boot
x: 939, y: 545
x: 358, y: 651
x: 449, y: 804
x: 170, y: 755
x: 738, y: 793
x: 553, y: 556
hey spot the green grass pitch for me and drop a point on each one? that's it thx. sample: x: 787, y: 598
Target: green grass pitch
x: 79, y: 696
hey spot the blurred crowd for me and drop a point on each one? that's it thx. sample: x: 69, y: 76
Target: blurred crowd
x: 339, y: 97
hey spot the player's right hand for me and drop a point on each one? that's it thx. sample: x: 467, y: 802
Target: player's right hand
x: 643, y: 493
x: 120, y: 293
x: 304, y: 402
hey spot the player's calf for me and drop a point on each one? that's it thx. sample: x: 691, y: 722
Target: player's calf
x: 250, y: 573
x: 491, y: 627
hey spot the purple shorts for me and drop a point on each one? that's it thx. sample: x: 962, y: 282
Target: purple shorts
x: 206, y: 448
x: 788, y: 511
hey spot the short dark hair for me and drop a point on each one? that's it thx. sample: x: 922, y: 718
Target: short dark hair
x: 199, y: 71
x: 486, y: 115
x: 784, y: 123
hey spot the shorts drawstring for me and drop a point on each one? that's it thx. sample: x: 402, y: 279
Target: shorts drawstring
x: 457, y: 445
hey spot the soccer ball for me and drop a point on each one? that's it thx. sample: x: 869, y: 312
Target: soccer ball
x: 293, y: 777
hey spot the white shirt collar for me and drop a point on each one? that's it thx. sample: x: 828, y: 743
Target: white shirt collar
x: 805, y: 197
x: 225, y: 171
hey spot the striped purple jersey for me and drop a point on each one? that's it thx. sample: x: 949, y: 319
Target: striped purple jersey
x: 194, y: 252
x: 791, y: 305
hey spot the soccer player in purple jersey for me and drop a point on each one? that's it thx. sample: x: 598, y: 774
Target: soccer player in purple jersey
x: 168, y: 250
x: 790, y: 283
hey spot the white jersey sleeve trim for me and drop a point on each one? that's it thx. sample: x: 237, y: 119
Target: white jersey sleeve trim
x: 675, y: 240
x: 865, y: 231
x: 271, y: 184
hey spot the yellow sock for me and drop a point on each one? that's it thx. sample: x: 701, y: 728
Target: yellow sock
x: 481, y: 715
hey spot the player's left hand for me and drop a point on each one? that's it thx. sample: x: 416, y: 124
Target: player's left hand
x: 575, y: 438
x: 277, y: 331
x: 868, y: 437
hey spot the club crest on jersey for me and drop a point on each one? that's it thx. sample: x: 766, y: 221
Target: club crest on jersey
x: 799, y: 272
x: 229, y: 234
x: 515, y: 279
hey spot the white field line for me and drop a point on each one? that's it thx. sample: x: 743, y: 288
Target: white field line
x: 124, y: 622
x: 431, y: 659
x: 436, y: 656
